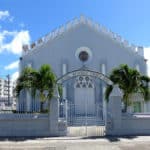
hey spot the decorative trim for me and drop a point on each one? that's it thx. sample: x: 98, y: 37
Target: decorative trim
x: 27, y: 49
x: 84, y: 82
x: 84, y: 72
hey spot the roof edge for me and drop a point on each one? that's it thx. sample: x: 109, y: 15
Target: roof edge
x: 26, y: 49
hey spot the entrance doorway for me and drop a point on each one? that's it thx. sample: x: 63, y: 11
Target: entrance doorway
x: 84, y: 115
x: 84, y: 96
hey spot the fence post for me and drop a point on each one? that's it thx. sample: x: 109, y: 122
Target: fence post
x: 54, y: 114
x: 113, y: 123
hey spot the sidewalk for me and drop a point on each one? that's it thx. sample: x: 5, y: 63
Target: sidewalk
x: 78, y: 143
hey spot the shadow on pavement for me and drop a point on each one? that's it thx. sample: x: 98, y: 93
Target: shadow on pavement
x: 109, y: 138
x: 17, y: 139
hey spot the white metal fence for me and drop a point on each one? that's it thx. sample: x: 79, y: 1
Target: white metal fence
x: 82, y: 123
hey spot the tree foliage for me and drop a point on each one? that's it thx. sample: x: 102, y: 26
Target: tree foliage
x: 40, y: 82
x: 129, y: 81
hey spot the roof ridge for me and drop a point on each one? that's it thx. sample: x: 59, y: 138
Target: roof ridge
x: 27, y: 48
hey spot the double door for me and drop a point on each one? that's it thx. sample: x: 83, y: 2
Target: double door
x: 84, y: 101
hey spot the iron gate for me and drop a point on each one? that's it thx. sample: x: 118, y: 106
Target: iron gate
x: 85, y: 123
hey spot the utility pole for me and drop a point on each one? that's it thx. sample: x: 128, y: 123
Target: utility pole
x: 8, y: 77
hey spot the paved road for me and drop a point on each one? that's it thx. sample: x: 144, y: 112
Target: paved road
x: 126, y: 143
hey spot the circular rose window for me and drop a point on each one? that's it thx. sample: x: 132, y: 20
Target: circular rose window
x: 83, y: 56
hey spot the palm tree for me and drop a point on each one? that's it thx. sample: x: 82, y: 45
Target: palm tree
x: 41, y: 83
x: 129, y: 81
x: 44, y: 84
x: 25, y: 80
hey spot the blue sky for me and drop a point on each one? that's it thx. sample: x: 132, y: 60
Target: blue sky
x: 24, y: 21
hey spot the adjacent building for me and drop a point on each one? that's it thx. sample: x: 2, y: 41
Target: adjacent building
x: 6, y: 93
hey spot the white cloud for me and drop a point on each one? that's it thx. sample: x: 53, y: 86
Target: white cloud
x: 14, y: 76
x: 15, y: 45
x: 13, y: 65
x: 147, y: 56
x: 22, y: 25
x: 12, y: 41
x: 6, y: 34
x: 4, y: 15
x: 11, y: 19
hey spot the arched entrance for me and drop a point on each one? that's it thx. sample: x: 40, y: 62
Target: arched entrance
x: 83, y: 110
x: 84, y: 72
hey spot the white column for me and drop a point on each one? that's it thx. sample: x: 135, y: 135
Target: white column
x: 103, y: 70
x: 28, y: 96
x: 144, y: 106
x: 104, y: 103
x: 28, y: 101
x: 148, y: 106
x: 113, y: 125
x: 64, y: 71
x: 21, y: 100
x: 137, y: 67
x: 54, y: 114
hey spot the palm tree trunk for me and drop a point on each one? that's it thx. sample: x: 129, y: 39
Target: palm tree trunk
x: 41, y: 106
x: 126, y: 106
x: 125, y: 99
x: 126, y: 103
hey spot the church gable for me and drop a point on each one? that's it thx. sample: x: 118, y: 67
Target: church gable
x: 82, y: 25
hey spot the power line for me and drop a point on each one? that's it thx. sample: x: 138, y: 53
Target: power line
x: 4, y: 76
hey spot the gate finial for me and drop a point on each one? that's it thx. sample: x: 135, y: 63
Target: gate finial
x: 116, y: 91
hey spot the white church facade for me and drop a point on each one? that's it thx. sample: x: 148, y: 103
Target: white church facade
x: 82, y: 44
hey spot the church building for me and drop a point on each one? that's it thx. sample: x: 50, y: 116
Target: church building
x: 82, y: 44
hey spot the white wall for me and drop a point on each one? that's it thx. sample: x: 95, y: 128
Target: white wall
x: 24, y: 125
x: 125, y: 123
x: 147, y: 106
x: 13, y: 125
x: 135, y: 125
